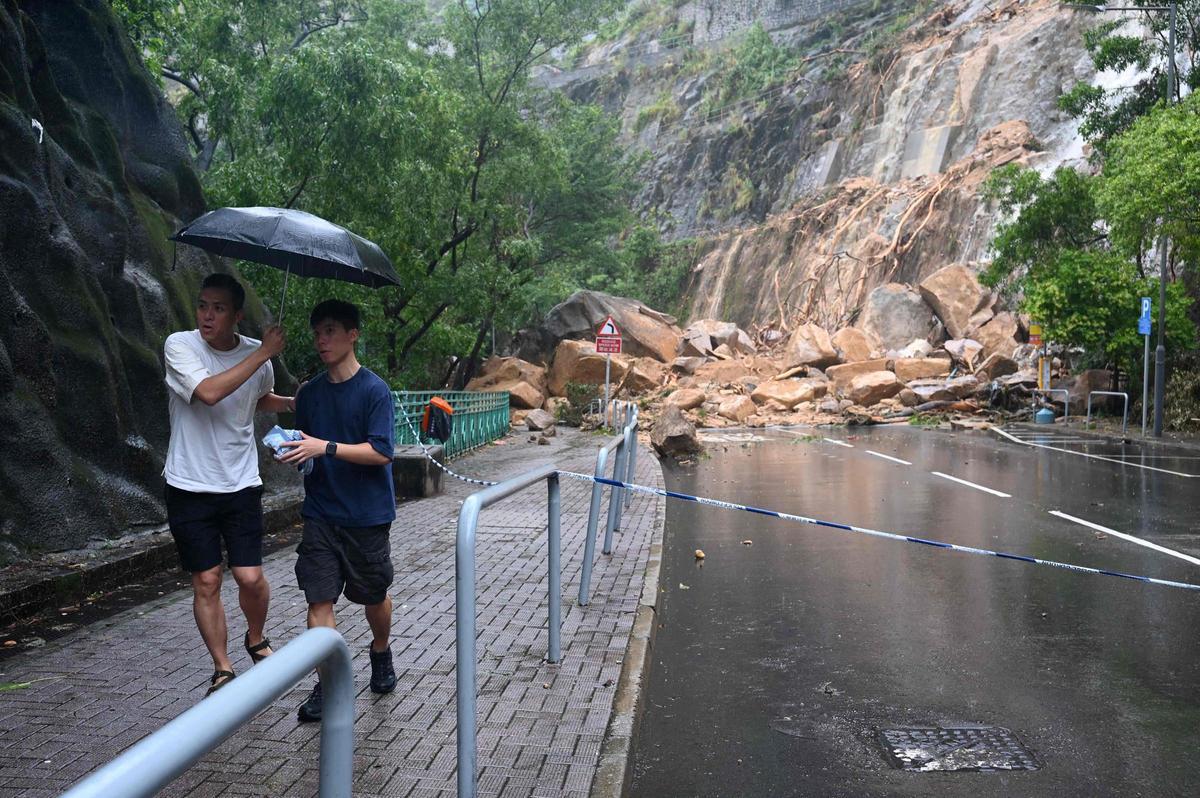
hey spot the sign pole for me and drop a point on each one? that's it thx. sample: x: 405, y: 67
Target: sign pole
x: 1144, y: 329
x: 1145, y: 383
x: 607, y: 368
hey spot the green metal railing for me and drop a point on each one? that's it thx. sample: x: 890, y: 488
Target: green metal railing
x: 479, y: 417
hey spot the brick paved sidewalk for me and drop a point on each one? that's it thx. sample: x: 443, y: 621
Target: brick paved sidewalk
x: 540, y: 725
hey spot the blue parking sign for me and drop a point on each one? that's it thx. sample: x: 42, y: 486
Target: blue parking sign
x: 1144, y: 319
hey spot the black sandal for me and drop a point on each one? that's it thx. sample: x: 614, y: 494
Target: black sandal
x: 254, y: 650
x: 219, y: 680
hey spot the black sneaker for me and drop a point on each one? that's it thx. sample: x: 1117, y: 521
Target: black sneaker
x: 310, y: 710
x: 383, y: 675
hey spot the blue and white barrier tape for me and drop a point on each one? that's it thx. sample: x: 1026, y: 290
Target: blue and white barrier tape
x: 873, y: 532
x: 430, y: 458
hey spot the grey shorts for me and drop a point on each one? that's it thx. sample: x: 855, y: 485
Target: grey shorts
x: 332, y: 560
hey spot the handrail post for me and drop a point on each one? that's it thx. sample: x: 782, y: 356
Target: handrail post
x: 337, y: 726
x: 464, y: 622
x: 632, y: 462
x: 589, y: 543
x: 614, y: 497
x: 554, y: 544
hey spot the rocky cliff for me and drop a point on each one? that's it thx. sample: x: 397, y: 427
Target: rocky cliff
x: 861, y: 169
x: 94, y: 174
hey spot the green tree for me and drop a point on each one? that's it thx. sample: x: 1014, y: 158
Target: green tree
x: 1106, y: 112
x: 1151, y: 184
x: 423, y: 134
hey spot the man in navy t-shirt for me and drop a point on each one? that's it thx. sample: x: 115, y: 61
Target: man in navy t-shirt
x: 346, y: 416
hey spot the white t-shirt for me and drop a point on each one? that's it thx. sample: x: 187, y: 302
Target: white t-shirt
x: 212, y: 448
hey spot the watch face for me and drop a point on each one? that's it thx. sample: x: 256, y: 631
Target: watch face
x: 331, y: 448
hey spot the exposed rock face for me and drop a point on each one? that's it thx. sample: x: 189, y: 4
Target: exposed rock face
x: 896, y: 315
x: 673, y: 435
x: 86, y: 286
x: 809, y: 346
x: 644, y: 331
x: 955, y: 295
x: 870, y: 389
x: 853, y: 345
x: 525, y: 381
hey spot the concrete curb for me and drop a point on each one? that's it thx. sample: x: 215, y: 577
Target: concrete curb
x: 151, y: 552
x: 1076, y: 427
x: 613, y: 773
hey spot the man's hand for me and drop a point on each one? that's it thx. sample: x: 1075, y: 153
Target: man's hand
x: 273, y: 341
x: 303, y: 450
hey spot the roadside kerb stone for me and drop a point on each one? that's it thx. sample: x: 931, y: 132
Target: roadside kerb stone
x: 541, y: 726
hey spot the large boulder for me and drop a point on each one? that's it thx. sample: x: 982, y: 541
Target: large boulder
x: 853, y: 345
x: 645, y: 332
x: 706, y: 335
x: 869, y: 389
x: 841, y: 375
x: 538, y: 420
x: 721, y: 372
x: 1000, y: 335
x: 737, y: 408
x: 644, y: 374
x: 577, y: 361
x: 996, y: 365
x: 909, y: 369
x: 674, y: 435
x: 687, y: 398
x: 809, y: 345
x: 955, y: 295
x: 687, y: 365
x: 524, y: 381
x: 964, y: 350
x: 1083, y: 383
x: 789, y: 393
x: 896, y: 314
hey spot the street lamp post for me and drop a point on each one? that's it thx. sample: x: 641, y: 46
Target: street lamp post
x: 1160, y: 354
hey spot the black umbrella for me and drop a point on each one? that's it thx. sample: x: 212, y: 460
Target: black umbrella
x: 295, y: 241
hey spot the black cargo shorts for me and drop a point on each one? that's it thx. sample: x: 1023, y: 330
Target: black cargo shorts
x: 332, y: 560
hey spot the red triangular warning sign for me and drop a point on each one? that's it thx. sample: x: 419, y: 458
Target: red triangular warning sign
x: 609, y: 327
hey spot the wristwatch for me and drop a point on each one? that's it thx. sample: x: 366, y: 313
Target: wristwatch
x: 330, y: 449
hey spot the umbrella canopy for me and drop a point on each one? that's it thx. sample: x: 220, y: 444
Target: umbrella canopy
x: 295, y: 241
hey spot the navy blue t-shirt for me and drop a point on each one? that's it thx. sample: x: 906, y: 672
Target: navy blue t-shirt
x: 358, y: 410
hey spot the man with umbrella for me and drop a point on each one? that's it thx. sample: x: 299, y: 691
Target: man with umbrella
x: 346, y: 412
x: 217, y: 380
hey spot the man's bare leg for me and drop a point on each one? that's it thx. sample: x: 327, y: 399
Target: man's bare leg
x: 379, y: 616
x: 321, y: 614
x: 210, y: 616
x: 254, y: 595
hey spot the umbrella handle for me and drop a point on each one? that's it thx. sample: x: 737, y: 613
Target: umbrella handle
x: 283, y: 299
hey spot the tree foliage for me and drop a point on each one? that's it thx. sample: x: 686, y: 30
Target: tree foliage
x: 420, y: 132
x: 1105, y: 112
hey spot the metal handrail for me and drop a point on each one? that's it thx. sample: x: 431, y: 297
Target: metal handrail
x: 464, y: 602
x: 153, y: 762
x: 1066, y: 402
x: 625, y: 446
x: 1124, y: 414
x: 480, y: 417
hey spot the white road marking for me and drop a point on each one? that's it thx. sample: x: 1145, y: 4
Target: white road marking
x: 972, y: 485
x: 1124, y: 536
x: 1095, y: 456
x: 838, y: 443
x: 889, y: 457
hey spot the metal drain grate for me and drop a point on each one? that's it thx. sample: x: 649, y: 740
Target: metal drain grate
x: 983, y: 748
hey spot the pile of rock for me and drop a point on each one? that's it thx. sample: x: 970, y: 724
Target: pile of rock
x: 943, y: 346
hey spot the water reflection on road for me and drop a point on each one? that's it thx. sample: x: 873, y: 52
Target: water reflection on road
x: 777, y: 662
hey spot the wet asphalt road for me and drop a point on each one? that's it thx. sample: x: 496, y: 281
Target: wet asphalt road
x: 777, y: 665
